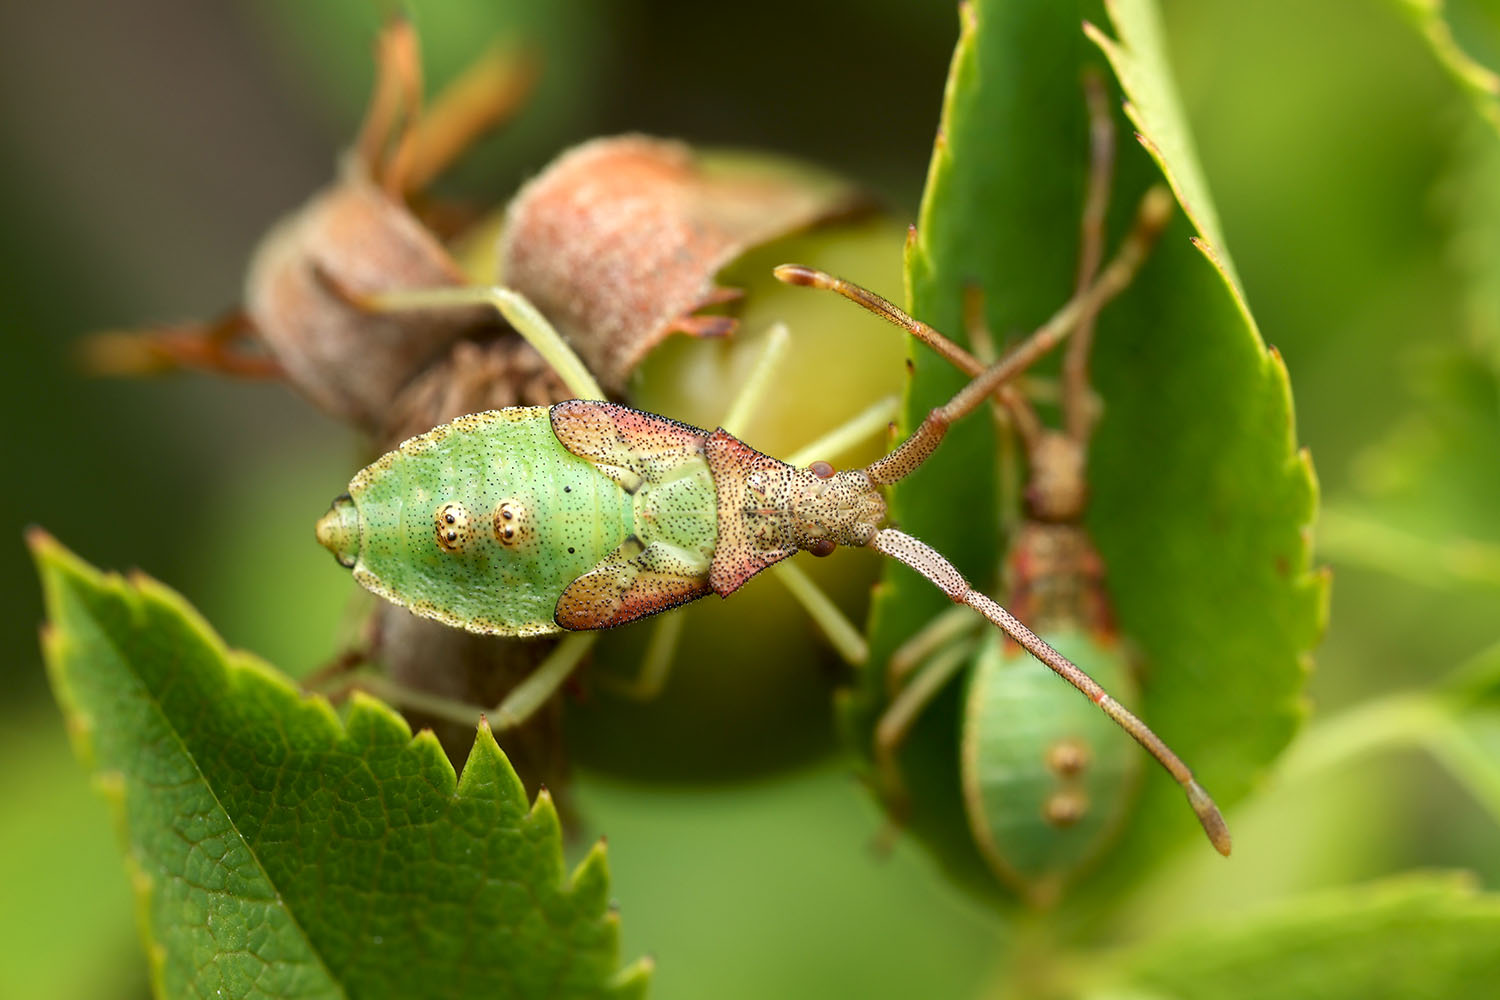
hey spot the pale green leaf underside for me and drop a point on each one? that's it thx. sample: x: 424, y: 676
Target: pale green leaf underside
x: 1419, y: 936
x: 1201, y: 501
x: 278, y: 851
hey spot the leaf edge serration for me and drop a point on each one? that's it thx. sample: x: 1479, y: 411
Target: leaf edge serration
x: 368, y: 722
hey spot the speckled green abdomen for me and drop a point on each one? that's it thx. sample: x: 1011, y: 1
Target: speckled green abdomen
x: 480, y: 523
x: 1046, y: 775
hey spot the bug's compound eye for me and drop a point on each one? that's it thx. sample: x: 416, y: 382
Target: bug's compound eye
x: 821, y: 469
x: 451, y: 526
x: 513, y: 526
x: 821, y: 546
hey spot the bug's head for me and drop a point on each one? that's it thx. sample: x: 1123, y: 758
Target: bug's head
x: 835, y: 508
x: 338, y: 531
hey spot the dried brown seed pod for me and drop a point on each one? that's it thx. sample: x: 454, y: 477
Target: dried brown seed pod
x: 619, y: 240
x: 471, y: 377
x: 309, y: 287
x: 308, y: 282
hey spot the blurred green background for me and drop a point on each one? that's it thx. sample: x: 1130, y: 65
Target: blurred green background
x: 148, y: 146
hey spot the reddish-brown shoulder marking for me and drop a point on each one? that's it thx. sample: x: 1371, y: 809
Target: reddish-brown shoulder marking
x: 631, y: 582
x: 627, y: 445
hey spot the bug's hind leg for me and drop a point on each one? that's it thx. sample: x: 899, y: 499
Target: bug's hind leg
x: 518, y: 311
x: 656, y: 662
x: 519, y: 705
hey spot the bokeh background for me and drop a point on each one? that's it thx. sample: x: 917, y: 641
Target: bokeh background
x: 146, y: 147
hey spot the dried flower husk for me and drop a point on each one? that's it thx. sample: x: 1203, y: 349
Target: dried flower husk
x: 618, y: 242
x: 306, y: 296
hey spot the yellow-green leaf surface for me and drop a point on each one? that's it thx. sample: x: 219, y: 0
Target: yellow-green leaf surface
x: 279, y: 851
x: 1201, y: 501
x: 1419, y: 936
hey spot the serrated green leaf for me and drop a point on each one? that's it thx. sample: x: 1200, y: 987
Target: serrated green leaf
x: 1201, y: 500
x: 1417, y: 936
x: 278, y: 851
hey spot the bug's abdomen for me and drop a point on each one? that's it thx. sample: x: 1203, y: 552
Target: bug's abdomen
x: 1047, y: 776
x: 482, y: 522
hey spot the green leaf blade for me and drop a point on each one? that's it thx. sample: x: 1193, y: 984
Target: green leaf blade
x: 1201, y: 502
x: 1405, y: 937
x: 279, y: 852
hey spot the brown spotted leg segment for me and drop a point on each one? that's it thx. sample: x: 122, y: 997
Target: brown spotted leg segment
x: 930, y: 564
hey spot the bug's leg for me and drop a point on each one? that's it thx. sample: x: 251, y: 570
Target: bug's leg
x: 543, y: 682
x: 338, y: 668
x: 856, y: 430
x: 1151, y: 218
x: 840, y: 632
x: 518, y: 312
x: 902, y: 713
x: 948, y: 627
x: 656, y: 662
x: 930, y: 564
x: 523, y: 700
x: 1079, y: 407
x: 748, y: 398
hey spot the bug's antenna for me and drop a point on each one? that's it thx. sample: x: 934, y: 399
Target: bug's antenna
x: 1151, y: 218
x: 940, y: 571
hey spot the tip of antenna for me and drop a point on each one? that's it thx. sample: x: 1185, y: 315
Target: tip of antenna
x: 797, y: 274
x: 1210, y: 817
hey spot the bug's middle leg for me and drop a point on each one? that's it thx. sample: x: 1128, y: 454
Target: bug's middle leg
x: 519, y: 705
x: 656, y: 662
x: 841, y: 633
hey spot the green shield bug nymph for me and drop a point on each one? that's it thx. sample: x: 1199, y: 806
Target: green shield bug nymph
x: 635, y: 513
x: 1045, y: 781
